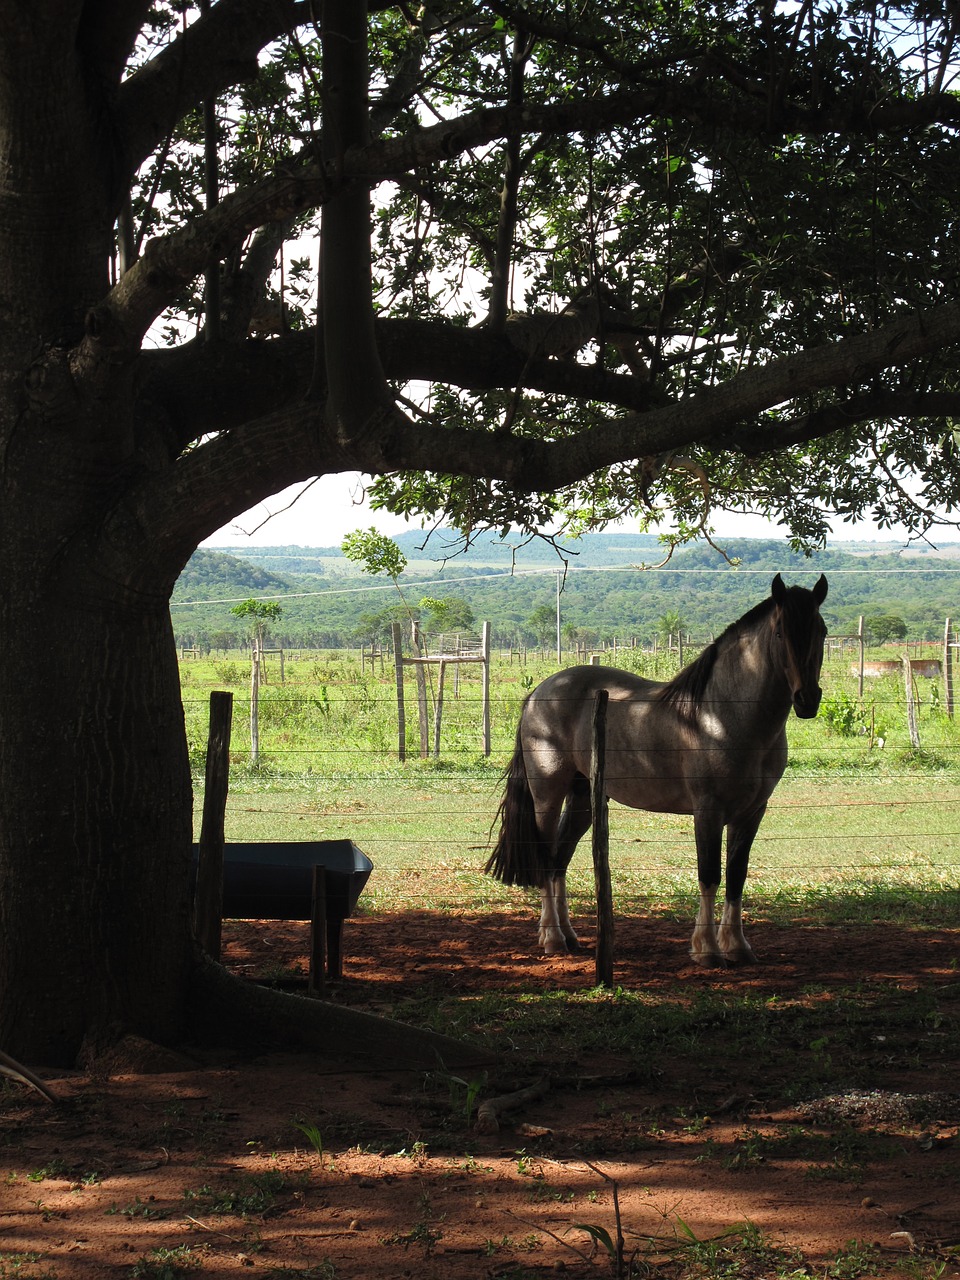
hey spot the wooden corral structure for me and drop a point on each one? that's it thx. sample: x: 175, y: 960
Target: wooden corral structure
x: 420, y: 660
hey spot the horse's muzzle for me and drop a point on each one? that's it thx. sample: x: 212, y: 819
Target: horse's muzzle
x: 806, y: 703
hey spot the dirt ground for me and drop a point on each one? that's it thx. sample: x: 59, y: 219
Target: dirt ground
x: 164, y: 1165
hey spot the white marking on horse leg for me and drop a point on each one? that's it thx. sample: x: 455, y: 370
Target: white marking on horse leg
x: 563, y: 915
x: 551, y: 931
x: 704, y: 947
x: 736, y: 949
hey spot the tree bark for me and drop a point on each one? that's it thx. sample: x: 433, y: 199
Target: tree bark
x: 95, y: 825
x: 116, y: 462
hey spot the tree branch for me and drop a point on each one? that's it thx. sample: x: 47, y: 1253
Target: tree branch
x: 211, y: 483
x: 824, y: 421
x: 213, y: 53
x: 203, y: 391
x: 544, y: 465
x: 359, y: 402
x: 169, y: 263
x: 600, y: 45
x: 244, y: 287
x: 108, y: 32
x: 507, y: 219
x: 116, y: 326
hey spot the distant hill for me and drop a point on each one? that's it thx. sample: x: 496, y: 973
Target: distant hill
x: 443, y: 546
x: 593, y: 550
x: 326, y: 602
x: 213, y: 575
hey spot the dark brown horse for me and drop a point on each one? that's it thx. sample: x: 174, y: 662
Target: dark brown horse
x: 711, y: 742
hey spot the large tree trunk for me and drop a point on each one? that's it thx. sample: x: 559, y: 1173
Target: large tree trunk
x: 95, y: 823
x: 95, y: 798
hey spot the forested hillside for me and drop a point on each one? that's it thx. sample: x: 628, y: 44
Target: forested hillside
x: 604, y: 593
x: 211, y: 575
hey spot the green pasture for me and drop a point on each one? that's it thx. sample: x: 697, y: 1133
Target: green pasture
x: 863, y: 825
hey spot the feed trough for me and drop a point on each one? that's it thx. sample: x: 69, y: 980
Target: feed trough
x: 274, y: 880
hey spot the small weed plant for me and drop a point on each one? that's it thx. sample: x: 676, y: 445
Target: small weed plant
x: 166, y: 1263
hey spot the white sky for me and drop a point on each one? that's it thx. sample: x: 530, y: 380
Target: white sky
x: 334, y: 506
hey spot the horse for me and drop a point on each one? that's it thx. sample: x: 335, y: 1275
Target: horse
x: 711, y: 742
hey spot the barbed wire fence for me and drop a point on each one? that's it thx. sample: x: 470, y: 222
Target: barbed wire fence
x: 864, y: 807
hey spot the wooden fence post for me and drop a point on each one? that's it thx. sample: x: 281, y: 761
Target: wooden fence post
x: 948, y: 648
x: 911, y: 705
x: 601, y: 843
x: 485, y: 687
x: 438, y: 712
x: 255, y: 674
x: 861, y: 643
x: 208, y: 897
x: 421, y: 691
x: 401, y: 712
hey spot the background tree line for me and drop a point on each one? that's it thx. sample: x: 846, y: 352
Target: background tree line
x: 895, y: 597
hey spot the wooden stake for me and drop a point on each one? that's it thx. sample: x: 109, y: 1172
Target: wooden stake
x: 485, y: 687
x: 438, y: 712
x: 862, y: 646
x: 421, y: 691
x: 948, y: 648
x: 255, y: 673
x: 317, y: 983
x: 911, y: 705
x: 208, y: 899
x: 401, y: 712
x: 601, y: 844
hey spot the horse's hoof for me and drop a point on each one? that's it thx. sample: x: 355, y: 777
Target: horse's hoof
x: 709, y: 959
x: 553, y: 942
x: 739, y: 957
x: 573, y: 946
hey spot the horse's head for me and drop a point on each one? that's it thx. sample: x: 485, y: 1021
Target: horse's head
x: 801, y: 632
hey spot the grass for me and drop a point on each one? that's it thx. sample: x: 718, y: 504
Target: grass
x: 855, y: 829
x: 27, y: 1265
x: 329, y: 717
x: 825, y: 1041
x: 829, y: 848
x: 166, y: 1263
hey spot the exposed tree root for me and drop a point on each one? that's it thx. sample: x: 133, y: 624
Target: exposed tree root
x: 15, y: 1070
x: 225, y: 1010
x: 489, y: 1112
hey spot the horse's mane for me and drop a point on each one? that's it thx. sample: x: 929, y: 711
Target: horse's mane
x: 686, y: 690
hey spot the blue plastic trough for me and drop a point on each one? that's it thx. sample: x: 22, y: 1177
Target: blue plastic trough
x: 274, y: 881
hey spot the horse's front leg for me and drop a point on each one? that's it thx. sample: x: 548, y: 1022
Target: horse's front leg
x: 557, y: 936
x: 740, y: 835
x: 704, y: 945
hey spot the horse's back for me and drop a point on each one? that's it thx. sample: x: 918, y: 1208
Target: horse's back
x: 569, y: 695
x: 656, y: 758
x: 556, y: 729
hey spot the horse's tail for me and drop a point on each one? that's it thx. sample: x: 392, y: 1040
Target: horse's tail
x: 517, y: 857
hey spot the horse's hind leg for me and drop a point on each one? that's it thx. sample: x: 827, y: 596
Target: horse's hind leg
x: 740, y: 835
x: 553, y: 914
x: 704, y: 946
x: 557, y: 934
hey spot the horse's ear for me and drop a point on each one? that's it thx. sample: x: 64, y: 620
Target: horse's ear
x: 778, y: 590
x: 820, y: 590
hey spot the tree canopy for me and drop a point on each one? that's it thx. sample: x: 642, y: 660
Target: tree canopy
x: 694, y: 256
x: 576, y: 260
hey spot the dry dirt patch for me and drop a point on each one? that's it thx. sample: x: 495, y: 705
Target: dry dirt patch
x: 201, y: 1166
